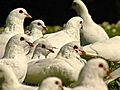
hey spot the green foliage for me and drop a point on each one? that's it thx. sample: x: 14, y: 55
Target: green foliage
x: 52, y: 29
x: 1, y: 29
x: 111, y: 29
x: 114, y: 85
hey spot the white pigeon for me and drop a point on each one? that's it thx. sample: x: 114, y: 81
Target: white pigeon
x: 108, y: 49
x: 36, y: 29
x: 41, y: 49
x: 15, y: 20
x: 14, y: 25
x: 92, y: 74
x: 91, y: 32
x: 66, y: 65
x: 51, y: 83
x: 15, y: 56
x: 114, y: 75
x: 8, y: 80
x: 71, y: 32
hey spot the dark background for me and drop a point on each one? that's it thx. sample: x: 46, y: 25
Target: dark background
x: 57, y: 12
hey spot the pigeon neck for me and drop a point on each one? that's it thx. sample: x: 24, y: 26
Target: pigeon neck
x: 32, y: 50
x: 73, y: 32
x: 10, y: 80
x: 36, y: 33
x: 13, y: 50
x: 30, y: 53
x: 83, y: 12
x: 14, y: 25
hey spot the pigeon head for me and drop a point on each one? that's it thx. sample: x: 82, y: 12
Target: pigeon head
x: 39, y: 24
x: 71, y: 49
x: 95, y: 69
x: 20, y: 40
x: 36, y: 29
x: 17, y: 16
x: 44, y: 48
x: 16, y: 45
x: 99, y: 66
x: 51, y: 83
x: 20, y: 13
x: 75, y: 22
x: 75, y: 4
x: 80, y: 8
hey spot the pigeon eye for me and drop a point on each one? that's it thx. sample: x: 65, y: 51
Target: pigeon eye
x: 43, y: 46
x: 20, y: 11
x: 75, y: 47
x: 22, y: 38
x: 57, y: 82
x: 38, y: 23
x: 100, y: 65
x: 80, y: 22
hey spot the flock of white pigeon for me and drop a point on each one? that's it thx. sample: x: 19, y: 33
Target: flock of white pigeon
x: 31, y: 60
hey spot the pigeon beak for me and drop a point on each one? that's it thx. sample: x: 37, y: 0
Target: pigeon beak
x: 45, y: 28
x: 80, y: 51
x: 83, y: 52
x: 31, y: 44
x: 109, y: 74
x: 28, y: 16
x: 61, y: 87
x: 51, y: 50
